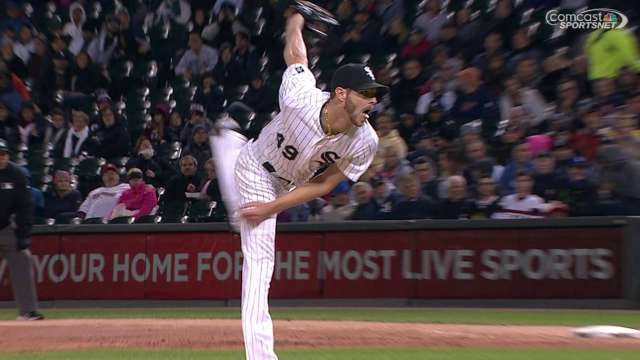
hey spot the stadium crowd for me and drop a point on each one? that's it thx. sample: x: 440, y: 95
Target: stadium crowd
x: 492, y: 112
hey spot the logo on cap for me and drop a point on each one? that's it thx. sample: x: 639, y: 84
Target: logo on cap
x: 369, y: 72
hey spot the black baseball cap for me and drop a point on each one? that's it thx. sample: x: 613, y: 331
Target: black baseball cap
x: 356, y: 77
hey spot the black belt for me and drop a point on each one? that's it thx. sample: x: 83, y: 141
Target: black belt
x: 267, y: 166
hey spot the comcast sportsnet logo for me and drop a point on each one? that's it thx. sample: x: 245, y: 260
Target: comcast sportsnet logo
x: 591, y: 19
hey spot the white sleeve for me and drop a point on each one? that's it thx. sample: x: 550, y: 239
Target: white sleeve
x: 297, y: 84
x: 86, y: 204
x: 354, y: 166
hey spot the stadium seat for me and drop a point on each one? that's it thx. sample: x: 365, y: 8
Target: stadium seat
x: 122, y: 220
x: 94, y: 220
x: 149, y: 219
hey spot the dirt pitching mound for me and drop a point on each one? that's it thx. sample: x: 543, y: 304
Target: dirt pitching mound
x: 52, y: 335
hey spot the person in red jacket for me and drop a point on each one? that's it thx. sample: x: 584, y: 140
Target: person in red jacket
x: 140, y: 200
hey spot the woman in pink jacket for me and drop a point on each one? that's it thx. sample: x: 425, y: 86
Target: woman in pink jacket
x: 140, y: 200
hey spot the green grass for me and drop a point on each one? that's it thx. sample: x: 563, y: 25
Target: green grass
x: 338, y: 354
x: 421, y: 315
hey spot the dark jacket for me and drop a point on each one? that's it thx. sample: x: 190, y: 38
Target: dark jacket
x: 448, y: 209
x: 145, y: 164
x: 90, y: 146
x: 114, y: 141
x: 368, y: 211
x: 55, y: 205
x: 16, y: 199
x: 422, y: 208
x: 177, y: 186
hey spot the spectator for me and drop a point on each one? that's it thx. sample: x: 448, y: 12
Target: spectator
x: 432, y: 19
x: 31, y: 126
x: 606, y: 96
x: 427, y: 176
x: 521, y: 204
x: 197, y: 118
x: 199, y: 147
x: 609, y: 51
x: 199, y: 59
x: 245, y: 54
x: 393, y: 165
x: 417, y: 45
x: 492, y: 46
x: 437, y: 93
x: 8, y: 127
x: 137, y: 201
x: 187, y: 181
x: 74, y: 28
x: 340, y: 207
x: 608, y: 202
x: 145, y: 160
x: 474, y: 102
x: 384, y: 195
x: 8, y: 93
x: 227, y: 71
x: 211, y: 95
x: 113, y: 138
x: 361, y: 36
x: 36, y: 195
x: 260, y: 97
x: 211, y: 190
x: 174, y: 130
x: 477, y: 157
x: 77, y: 138
x: 101, y: 201
x: 456, y: 205
x: 413, y: 204
x: 366, y: 206
x: 487, y: 201
x: 56, y: 130
x: 24, y: 47
x: 63, y: 199
x: 587, y: 139
x: 156, y: 132
x: 85, y: 77
x: 520, y: 161
x: 546, y: 180
x: 577, y: 191
x: 405, y: 93
x: 105, y: 44
x: 14, y: 63
x: 388, y: 137
x: 530, y: 99
x: 620, y: 170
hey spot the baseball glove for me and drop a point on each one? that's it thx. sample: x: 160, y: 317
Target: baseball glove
x: 316, y: 18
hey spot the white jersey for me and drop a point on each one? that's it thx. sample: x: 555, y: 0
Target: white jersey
x: 513, y: 207
x: 294, y: 147
x: 102, y: 200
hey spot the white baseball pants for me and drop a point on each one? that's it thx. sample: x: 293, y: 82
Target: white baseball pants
x: 250, y: 182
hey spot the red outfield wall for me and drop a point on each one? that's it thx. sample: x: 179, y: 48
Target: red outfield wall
x: 412, y: 264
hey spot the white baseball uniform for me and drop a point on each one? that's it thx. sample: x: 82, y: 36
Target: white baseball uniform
x: 290, y: 150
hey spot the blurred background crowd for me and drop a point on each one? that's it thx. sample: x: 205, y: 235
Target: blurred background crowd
x: 492, y: 112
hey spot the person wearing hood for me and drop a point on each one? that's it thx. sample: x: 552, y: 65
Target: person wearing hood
x: 146, y: 161
x: 74, y: 27
x: 619, y: 169
x: 113, y: 136
x: 138, y: 201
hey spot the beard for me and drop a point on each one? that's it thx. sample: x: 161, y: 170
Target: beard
x: 353, y: 113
